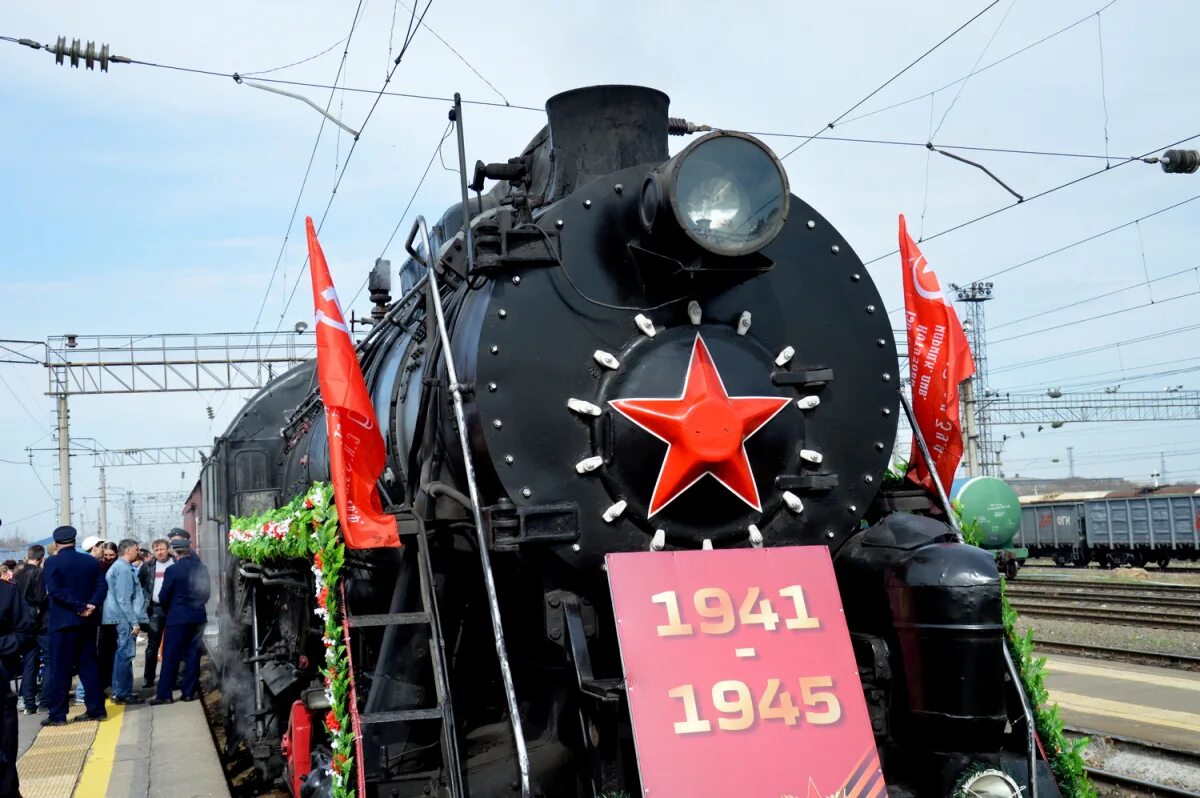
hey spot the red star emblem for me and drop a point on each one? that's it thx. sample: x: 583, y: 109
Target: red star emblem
x: 705, y: 430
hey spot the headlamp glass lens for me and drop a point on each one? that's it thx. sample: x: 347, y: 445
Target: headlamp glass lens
x: 730, y: 195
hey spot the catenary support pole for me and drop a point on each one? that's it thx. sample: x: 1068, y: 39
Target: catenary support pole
x: 103, y: 505
x: 64, y: 463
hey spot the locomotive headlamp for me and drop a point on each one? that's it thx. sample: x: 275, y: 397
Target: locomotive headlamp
x: 727, y: 192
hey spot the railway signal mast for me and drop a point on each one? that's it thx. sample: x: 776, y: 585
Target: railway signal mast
x: 983, y: 454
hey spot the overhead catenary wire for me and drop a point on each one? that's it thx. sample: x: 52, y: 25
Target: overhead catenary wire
x: 458, y: 55
x: 974, y: 67
x: 1092, y: 349
x: 995, y: 63
x: 325, y: 116
x: 1073, y: 244
x: 294, y: 63
x: 1039, y: 195
x: 408, y: 206
x: 1096, y: 317
x: 349, y: 156
x: 889, y: 81
x: 1148, y: 281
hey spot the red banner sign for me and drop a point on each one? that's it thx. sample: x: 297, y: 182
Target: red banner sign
x: 740, y: 675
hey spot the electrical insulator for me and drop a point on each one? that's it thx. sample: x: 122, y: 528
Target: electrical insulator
x: 209, y: 410
x: 1180, y: 162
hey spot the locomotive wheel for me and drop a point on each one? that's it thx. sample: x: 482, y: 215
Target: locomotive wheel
x: 1010, y: 569
x: 1163, y: 562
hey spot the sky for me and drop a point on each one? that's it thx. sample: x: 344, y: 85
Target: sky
x: 150, y: 200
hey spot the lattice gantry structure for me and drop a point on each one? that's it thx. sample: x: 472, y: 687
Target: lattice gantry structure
x: 116, y: 364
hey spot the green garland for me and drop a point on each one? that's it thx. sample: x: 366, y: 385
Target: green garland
x: 307, y: 528
x: 1066, y: 756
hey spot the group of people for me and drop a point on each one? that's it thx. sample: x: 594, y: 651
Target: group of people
x: 80, y: 612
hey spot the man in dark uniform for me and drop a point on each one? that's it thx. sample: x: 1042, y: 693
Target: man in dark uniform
x: 16, y: 635
x: 33, y: 590
x: 76, y: 586
x: 176, y: 534
x: 184, y: 593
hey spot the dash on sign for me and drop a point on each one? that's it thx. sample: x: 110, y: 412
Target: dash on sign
x: 745, y: 652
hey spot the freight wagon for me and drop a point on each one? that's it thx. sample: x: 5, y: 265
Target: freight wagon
x: 1113, y: 527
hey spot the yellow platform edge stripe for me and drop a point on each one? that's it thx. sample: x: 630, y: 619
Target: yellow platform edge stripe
x: 1103, y: 707
x: 1110, y: 672
x: 93, y: 781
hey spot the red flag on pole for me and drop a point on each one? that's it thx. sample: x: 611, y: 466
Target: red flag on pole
x: 938, y: 360
x: 356, y: 455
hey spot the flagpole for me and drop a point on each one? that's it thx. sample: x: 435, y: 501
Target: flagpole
x: 930, y: 465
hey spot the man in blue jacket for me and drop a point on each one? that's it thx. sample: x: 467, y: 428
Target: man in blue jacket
x: 76, y: 586
x: 184, y: 593
x: 124, y: 608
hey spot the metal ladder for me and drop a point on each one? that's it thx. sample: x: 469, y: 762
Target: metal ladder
x: 427, y: 616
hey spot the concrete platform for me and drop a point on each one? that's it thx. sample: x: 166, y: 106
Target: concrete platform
x: 139, y: 752
x: 1138, y: 701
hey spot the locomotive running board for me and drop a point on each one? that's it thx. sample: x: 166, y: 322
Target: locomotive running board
x: 456, y: 390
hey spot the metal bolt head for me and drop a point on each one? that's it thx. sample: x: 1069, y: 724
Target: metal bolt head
x: 587, y: 203
x: 526, y: 492
x: 870, y: 308
x: 854, y: 278
x: 555, y: 634
x: 852, y: 508
x: 879, y: 446
x: 830, y: 534
x: 835, y: 249
x: 886, y: 411
x: 559, y: 223
x: 497, y: 423
x: 618, y: 188
x: 502, y: 313
x: 811, y: 224
x: 508, y: 458
x: 492, y: 387
x: 516, y: 279
x: 880, y: 342
x: 495, y: 350
x: 576, y: 547
x: 868, y: 479
x: 886, y: 377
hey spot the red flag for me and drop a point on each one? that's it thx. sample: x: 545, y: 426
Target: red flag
x: 938, y: 360
x: 356, y: 455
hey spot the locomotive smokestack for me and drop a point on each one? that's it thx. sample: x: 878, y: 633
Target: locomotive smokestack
x: 600, y: 129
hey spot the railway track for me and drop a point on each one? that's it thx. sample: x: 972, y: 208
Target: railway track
x: 1157, y: 605
x: 1180, y: 662
x: 1131, y: 786
x: 1189, y: 600
x: 1185, y: 569
x: 1147, y: 618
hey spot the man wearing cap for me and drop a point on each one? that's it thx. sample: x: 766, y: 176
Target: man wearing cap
x: 95, y: 546
x: 184, y: 593
x: 185, y: 536
x: 16, y: 636
x: 76, y: 586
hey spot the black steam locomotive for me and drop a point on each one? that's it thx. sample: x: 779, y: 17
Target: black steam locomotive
x: 599, y: 270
